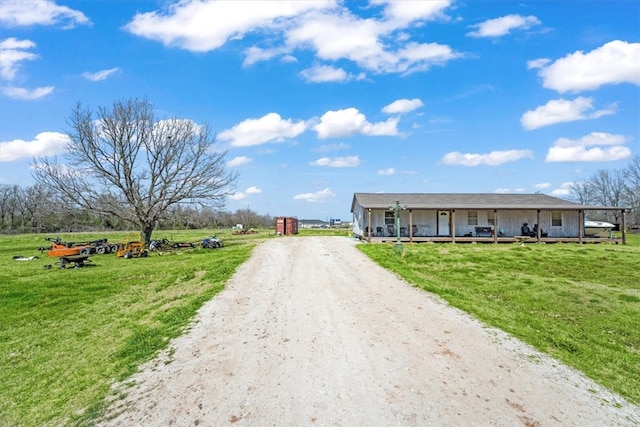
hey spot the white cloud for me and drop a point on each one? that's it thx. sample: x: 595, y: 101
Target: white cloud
x: 13, y: 52
x: 405, y: 12
x: 367, y: 42
x: 337, y: 162
x: 595, y: 147
x: 240, y: 195
x: 563, y: 110
x: 494, y: 158
x: 401, y: 106
x: 564, y: 190
x: 542, y: 185
x: 594, y: 138
x: 255, y: 54
x: 268, y: 128
x: 537, y: 63
x: 613, y: 63
x: 501, y: 26
x: 317, y: 197
x: 238, y: 161
x: 24, y: 13
x: 325, y: 73
x: 100, y: 75
x: 419, y: 57
x: 338, y: 36
x: 202, y: 26
x: 350, y: 121
x: 387, y: 172
x: 44, y: 144
x: 331, y: 147
x: 509, y: 190
x: 25, y: 94
x: 327, y: 28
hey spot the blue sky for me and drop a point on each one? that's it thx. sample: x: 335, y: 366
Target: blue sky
x: 316, y: 100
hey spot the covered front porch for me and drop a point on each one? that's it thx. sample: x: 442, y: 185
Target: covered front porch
x: 496, y: 239
x: 483, y: 226
x: 482, y: 218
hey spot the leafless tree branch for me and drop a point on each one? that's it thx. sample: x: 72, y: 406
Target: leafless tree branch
x: 123, y: 162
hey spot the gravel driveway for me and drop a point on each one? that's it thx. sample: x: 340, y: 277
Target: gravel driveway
x: 310, y: 332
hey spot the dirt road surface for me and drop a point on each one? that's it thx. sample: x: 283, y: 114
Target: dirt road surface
x: 310, y: 332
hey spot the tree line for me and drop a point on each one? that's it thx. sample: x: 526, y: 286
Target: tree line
x: 37, y: 209
x: 618, y: 187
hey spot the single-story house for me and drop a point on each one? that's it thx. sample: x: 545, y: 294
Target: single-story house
x: 313, y: 223
x: 488, y: 217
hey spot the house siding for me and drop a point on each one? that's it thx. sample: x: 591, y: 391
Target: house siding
x: 425, y: 222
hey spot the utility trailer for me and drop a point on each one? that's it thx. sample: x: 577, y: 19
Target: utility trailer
x: 76, y: 260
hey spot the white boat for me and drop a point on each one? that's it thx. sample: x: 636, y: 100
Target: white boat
x: 598, y: 228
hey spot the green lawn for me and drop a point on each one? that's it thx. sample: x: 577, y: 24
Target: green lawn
x: 578, y: 303
x: 302, y: 232
x: 67, y: 334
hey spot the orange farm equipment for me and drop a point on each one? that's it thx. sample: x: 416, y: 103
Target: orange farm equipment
x: 59, y: 248
x: 132, y: 247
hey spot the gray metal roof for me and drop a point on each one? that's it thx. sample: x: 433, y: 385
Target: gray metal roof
x: 313, y: 221
x: 466, y: 201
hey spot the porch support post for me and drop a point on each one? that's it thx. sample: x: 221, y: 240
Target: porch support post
x: 369, y: 226
x: 411, y: 226
x: 397, y: 210
x: 580, y: 225
x: 538, y: 225
x: 624, y: 226
x: 452, y: 226
x: 495, y: 226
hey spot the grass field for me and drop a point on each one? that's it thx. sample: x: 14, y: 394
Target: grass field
x: 578, y: 303
x: 66, y: 335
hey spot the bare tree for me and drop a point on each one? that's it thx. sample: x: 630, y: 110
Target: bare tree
x: 8, y: 201
x: 249, y: 218
x: 33, y: 206
x: 632, y: 187
x: 609, y: 189
x: 123, y: 162
x: 582, y: 192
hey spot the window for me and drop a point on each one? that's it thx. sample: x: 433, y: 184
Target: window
x: 491, y: 218
x: 389, y: 218
x: 472, y: 218
x: 556, y: 219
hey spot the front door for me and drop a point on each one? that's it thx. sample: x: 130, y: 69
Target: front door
x: 443, y: 223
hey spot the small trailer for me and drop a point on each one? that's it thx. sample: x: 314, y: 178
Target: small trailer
x: 76, y: 261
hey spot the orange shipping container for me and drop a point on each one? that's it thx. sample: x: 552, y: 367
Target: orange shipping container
x: 286, y: 226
